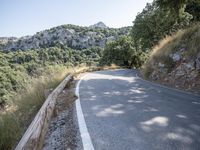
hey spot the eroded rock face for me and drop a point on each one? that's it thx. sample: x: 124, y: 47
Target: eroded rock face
x: 72, y: 36
x: 197, y: 62
x: 185, y: 74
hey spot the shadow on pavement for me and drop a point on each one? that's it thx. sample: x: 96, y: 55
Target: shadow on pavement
x: 144, y: 115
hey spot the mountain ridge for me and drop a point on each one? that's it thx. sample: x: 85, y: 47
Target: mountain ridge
x: 73, y: 36
x: 99, y: 24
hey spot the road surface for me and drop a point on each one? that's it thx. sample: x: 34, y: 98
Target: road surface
x: 124, y: 112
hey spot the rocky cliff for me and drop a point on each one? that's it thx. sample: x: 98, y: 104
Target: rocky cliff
x: 73, y: 36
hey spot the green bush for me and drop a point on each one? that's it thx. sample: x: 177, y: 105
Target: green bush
x: 123, y: 53
x: 19, y: 66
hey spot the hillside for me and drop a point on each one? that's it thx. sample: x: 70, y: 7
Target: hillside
x: 32, y: 66
x: 75, y: 37
x: 176, y: 60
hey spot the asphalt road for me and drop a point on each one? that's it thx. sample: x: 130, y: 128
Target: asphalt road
x: 124, y: 112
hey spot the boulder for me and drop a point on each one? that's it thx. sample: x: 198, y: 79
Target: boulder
x: 176, y: 57
x: 161, y: 65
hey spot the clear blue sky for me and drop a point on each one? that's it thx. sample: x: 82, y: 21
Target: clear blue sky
x: 26, y: 17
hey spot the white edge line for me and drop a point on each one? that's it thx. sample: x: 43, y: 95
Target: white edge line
x: 85, y: 136
x: 169, y: 88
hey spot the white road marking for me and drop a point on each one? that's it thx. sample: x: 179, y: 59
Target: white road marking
x: 166, y: 87
x: 85, y: 136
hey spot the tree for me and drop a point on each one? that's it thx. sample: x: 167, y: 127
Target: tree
x: 193, y: 8
x: 122, y: 52
x: 154, y: 23
x: 173, y: 5
x: 181, y: 7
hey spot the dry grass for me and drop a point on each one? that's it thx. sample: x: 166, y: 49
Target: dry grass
x: 188, y: 39
x: 15, y: 118
x: 95, y: 68
x: 18, y: 115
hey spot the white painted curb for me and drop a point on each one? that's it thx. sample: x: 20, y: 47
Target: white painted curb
x: 85, y: 136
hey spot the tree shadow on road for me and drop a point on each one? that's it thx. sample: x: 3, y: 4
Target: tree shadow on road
x: 144, y: 115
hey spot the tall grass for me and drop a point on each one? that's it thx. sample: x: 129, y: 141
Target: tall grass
x: 15, y: 119
x: 17, y: 116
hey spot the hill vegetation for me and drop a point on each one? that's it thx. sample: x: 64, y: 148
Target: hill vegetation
x: 171, y: 37
x: 72, y: 36
x: 24, y: 78
x: 163, y: 18
x: 164, y: 41
x: 18, y: 67
x: 176, y: 60
x: 123, y: 53
x: 66, y: 45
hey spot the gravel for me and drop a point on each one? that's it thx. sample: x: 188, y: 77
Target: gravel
x: 63, y: 132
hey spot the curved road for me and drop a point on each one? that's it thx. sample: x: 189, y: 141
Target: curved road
x: 124, y: 112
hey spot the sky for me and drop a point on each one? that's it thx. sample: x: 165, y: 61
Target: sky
x: 26, y: 17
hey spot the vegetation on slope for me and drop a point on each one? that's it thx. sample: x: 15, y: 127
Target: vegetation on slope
x: 24, y: 77
x: 18, y: 67
x: 25, y: 73
x: 159, y: 19
x: 174, y: 59
x: 75, y: 37
x: 184, y: 45
x: 188, y: 39
x: 15, y: 119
